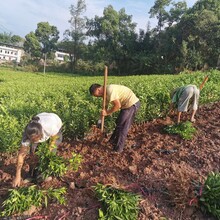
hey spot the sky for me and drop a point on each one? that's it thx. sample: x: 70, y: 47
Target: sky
x: 20, y: 17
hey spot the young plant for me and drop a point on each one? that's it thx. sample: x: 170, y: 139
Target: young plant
x: 22, y: 199
x: 75, y: 161
x: 209, y: 201
x: 117, y: 204
x: 50, y: 164
x: 184, y: 129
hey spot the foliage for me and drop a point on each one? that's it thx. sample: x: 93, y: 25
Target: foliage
x: 20, y: 200
x: 42, y: 41
x: 24, y: 94
x: 114, y: 38
x: 50, y: 164
x: 8, y: 38
x: 184, y: 129
x: 75, y: 36
x: 117, y: 204
x: 210, y: 198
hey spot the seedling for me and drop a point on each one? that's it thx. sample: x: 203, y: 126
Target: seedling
x: 210, y: 198
x: 184, y: 129
x: 20, y: 200
x: 50, y: 164
x: 117, y: 204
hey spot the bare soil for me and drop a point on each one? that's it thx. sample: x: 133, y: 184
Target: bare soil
x: 160, y: 167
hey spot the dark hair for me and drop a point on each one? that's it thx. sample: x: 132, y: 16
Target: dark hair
x: 33, y: 128
x: 93, y: 87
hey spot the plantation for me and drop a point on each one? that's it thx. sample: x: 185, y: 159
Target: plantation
x: 158, y: 167
x: 23, y: 95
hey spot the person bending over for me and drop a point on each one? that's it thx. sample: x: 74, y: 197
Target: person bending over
x: 121, y: 98
x: 181, y: 97
x: 42, y: 127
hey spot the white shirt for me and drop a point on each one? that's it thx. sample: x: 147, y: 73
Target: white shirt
x: 51, y: 125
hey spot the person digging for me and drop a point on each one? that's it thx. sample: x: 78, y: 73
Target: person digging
x: 121, y: 98
x: 183, y: 96
x: 42, y: 127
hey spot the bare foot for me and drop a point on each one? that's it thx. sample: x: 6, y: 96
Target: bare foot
x: 193, y: 120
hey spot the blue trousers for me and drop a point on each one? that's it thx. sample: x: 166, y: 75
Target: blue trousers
x: 123, y: 123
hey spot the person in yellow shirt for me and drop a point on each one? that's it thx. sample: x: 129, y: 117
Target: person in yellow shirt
x: 121, y: 98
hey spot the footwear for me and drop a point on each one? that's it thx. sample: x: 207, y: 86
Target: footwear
x: 28, y: 180
x: 118, y: 149
x: 48, y: 179
x: 41, y: 179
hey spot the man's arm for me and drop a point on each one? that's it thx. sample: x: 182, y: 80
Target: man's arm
x: 20, y: 161
x: 116, y: 105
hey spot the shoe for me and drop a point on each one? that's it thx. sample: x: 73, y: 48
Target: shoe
x: 48, y: 179
x: 41, y: 179
x: 111, y: 142
x: 28, y: 180
x: 118, y: 149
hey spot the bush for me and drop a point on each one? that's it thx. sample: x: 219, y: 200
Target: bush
x: 210, y: 198
x: 117, y: 204
x: 184, y: 129
x: 50, y: 164
x: 20, y: 200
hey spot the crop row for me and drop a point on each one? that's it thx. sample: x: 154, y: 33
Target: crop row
x: 23, y: 95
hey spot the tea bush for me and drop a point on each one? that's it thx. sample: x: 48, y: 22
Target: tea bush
x: 184, y: 129
x: 24, y: 94
x: 209, y: 201
x: 20, y: 200
x: 117, y: 204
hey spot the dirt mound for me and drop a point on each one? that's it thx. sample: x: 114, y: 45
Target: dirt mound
x: 162, y: 168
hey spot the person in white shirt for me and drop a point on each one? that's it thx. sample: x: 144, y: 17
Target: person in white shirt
x: 42, y: 127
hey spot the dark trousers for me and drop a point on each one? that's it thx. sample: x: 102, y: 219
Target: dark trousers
x: 123, y: 123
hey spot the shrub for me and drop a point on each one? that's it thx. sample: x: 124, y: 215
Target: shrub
x: 20, y: 200
x: 184, y: 129
x: 50, y: 164
x: 117, y: 204
x: 210, y: 198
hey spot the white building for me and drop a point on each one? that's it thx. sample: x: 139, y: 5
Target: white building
x: 10, y: 53
x: 60, y: 56
x: 14, y: 53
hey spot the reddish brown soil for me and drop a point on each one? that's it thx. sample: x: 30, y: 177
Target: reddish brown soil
x: 158, y: 166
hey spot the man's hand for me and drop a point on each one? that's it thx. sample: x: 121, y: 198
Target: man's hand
x: 16, y: 182
x: 104, y: 112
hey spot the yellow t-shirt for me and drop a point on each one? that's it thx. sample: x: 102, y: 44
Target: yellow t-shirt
x: 125, y: 95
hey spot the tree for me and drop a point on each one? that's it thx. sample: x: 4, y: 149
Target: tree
x: 75, y: 36
x: 200, y: 31
x: 32, y: 45
x: 47, y: 36
x: 176, y: 12
x: 8, y: 38
x: 114, y: 36
x: 158, y: 11
x: 41, y: 42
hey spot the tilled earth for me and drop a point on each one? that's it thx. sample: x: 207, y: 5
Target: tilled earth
x: 164, y: 169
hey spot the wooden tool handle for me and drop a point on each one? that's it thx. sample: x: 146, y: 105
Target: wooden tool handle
x: 203, y: 83
x: 104, y: 97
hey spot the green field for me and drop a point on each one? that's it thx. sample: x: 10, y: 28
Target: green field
x: 24, y: 94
